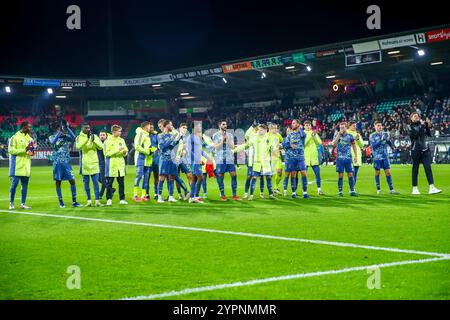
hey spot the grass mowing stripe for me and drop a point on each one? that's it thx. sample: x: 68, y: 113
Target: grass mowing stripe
x: 280, y: 278
x: 245, y: 234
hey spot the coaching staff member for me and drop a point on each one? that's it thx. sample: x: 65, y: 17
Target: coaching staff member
x: 420, y: 152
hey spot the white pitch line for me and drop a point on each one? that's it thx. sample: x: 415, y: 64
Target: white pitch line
x: 279, y: 278
x: 245, y: 234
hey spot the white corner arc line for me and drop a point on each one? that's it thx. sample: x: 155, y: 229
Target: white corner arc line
x: 175, y: 293
x: 236, y: 233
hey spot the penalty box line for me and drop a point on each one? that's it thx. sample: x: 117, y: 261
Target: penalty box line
x: 236, y: 233
x: 175, y: 293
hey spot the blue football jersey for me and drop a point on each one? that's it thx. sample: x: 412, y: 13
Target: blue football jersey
x: 61, y: 144
x: 344, y: 146
x: 298, y: 138
x: 379, y: 145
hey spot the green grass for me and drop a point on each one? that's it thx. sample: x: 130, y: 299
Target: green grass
x: 123, y: 260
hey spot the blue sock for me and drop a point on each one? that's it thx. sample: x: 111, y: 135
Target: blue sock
x: 87, y: 188
x: 73, y: 190
x: 355, y: 174
x: 269, y: 184
x: 294, y: 184
x: 261, y: 184
x: 377, y: 182
x: 340, y: 183
x: 305, y: 183
x: 170, y: 187
x: 59, y: 193
x: 351, y: 183
x: 389, y: 181
x: 285, y: 183
x: 252, y: 186
x: 139, y: 175
x: 316, y: 170
x: 193, y: 188
x: 204, y: 185
x: 247, y: 184
x: 24, y: 189
x: 12, y: 189
x: 178, y: 188
x: 146, y: 179
x: 198, y: 185
x: 221, y: 186
x: 234, y: 185
x: 96, y: 188
x: 160, y: 187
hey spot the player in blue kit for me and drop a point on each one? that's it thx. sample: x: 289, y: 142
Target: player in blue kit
x: 194, y: 155
x: 183, y: 166
x: 294, y: 144
x: 167, y: 141
x: 62, y: 167
x: 379, y: 142
x: 345, y: 142
x: 224, y: 157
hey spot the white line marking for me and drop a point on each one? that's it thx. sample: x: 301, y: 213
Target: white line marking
x: 279, y: 278
x: 245, y: 234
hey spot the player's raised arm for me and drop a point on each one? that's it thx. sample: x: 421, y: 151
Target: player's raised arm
x: 336, y: 139
x: 81, y: 141
x: 287, y: 142
x: 373, y: 142
x: 359, y: 141
x: 218, y: 141
x: 71, y: 134
x: 98, y: 143
x: 55, y: 137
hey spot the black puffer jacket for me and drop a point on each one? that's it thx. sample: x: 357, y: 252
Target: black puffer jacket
x: 418, y: 133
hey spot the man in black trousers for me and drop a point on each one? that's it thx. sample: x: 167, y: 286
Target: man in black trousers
x: 420, y: 152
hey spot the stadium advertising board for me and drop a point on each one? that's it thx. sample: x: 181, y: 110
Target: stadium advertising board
x: 366, y: 47
x: 136, y: 81
x: 326, y: 53
x: 41, y: 82
x: 438, y: 35
x: 11, y: 80
x: 421, y: 38
x: 298, y: 57
x: 267, y: 62
x: 236, y: 67
x: 42, y: 154
x: 193, y: 110
x: 363, y: 58
x: 310, y: 56
x: 73, y: 83
x: 397, y: 42
x: 198, y: 73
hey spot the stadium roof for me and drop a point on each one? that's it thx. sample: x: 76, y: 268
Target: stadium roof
x: 273, y: 75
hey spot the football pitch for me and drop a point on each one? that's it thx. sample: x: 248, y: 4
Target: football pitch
x: 369, y: 247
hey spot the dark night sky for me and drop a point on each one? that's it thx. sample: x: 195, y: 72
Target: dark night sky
x: 154, y: 36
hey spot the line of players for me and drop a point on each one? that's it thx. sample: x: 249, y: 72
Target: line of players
x: 171, y: 152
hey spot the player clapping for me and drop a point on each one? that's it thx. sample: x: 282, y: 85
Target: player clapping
x: 294, y: 144
x: 62, y: 167
x: 379, y: 141
x: 344, y: 142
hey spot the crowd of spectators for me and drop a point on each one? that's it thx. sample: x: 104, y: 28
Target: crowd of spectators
x: 325, y: 117
x: 395, y: 121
